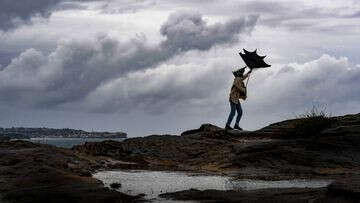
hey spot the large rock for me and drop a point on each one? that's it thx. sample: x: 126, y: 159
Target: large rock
x: 4, y: 138
x: 347, y: 187
x: 177, y: 152
x: 41, y: 173
x: 294, y: 195
x: 269, y: 153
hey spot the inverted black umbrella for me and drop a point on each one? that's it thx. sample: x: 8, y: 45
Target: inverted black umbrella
x: 253, y: 60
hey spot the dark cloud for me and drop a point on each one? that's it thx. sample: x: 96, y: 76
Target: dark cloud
x: 167, y: 87
x: 14, y: 13
x: 75, y: 69
x: 72, y: 5
x: 282, y: 90
x: 126, y: 6
x: 17, y: 12
x: 6, y: 56
x: 186, y: 31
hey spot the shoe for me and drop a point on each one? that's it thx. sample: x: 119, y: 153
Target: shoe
x: 228, y: 127
x: 237, y: 127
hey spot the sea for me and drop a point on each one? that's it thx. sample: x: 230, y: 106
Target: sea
x: 69, y: 142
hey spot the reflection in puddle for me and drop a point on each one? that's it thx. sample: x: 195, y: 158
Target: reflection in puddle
x: 261, y: 184
x: 153, y: 183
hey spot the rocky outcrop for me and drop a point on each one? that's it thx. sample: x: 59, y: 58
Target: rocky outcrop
x: 167, y: 151
x: 293, y: 195
x: 292, y: 149
x: 41, y: 173
x: 4, y: 138
x: 271, y: 152
x: 348, y: 187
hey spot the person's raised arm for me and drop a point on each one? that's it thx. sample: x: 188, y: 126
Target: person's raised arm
x: 246, y: 75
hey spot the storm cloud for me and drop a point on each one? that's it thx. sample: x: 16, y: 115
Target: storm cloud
x: 19, y: 12
x: 186, y: 31
x: 285, y: 89
x: 138, y: 65
x: 327, y: 81
x: 158, y: 90
x: 76, y: 68
x: 14, y: 13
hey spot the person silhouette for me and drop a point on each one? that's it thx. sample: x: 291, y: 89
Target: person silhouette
x: 237, y: 92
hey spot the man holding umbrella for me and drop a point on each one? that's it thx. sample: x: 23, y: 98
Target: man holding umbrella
x: 238, y: 89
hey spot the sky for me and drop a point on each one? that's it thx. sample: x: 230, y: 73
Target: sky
x: 162, y: 67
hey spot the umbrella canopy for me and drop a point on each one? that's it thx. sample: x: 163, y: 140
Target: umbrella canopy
x: 253, y: 60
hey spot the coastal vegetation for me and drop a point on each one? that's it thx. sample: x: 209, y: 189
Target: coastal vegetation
x: 312, y: 122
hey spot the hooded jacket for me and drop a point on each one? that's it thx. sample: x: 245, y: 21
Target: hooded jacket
x: 238, y: 90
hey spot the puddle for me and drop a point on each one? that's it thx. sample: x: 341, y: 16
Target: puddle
x: 153, y: 183
x: 261, y: 184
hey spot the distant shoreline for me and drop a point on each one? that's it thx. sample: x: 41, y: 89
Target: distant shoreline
x: 67, y: 138
x: 66, y: 142
x: 28, y: 133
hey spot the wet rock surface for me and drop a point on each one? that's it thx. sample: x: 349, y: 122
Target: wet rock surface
x: 294, y: 195
x: 41, y: 173
x: 36, y: 173
x: 271, y: 153
x: 348, y: 187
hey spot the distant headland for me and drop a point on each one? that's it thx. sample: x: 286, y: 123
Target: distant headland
x: 27, y: 133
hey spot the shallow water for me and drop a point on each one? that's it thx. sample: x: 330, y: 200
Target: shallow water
x: 153, y: 183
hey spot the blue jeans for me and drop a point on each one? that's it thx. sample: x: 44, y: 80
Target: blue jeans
x: 233, y: 107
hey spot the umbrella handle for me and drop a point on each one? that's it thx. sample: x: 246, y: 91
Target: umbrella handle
x: 247, y: 80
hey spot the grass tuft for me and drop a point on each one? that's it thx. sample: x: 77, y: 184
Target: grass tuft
x: 311, y: 123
